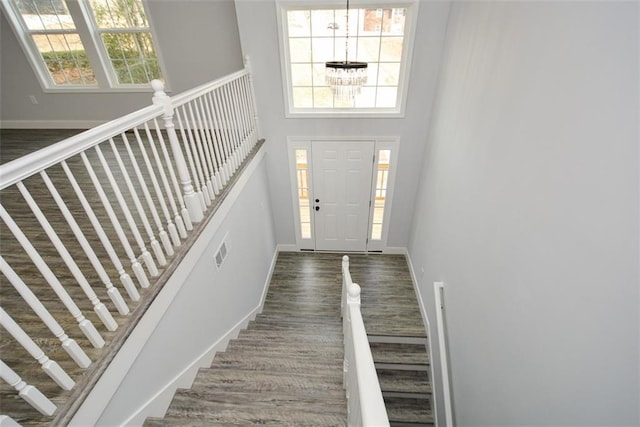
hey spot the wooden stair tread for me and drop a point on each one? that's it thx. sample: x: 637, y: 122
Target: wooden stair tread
x: 409, y: 410
x: 399, y: 353
x: 404, y: 381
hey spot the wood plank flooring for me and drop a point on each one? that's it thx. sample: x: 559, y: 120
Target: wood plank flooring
x: 14, y: 144
x: 286, y: 367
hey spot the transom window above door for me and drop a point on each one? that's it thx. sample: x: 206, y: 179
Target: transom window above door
x: 380, y: 35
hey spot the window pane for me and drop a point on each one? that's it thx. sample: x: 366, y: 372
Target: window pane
x: 325, y: 22
x: 132, y: 56
x: 391, y: 49
x: 302, y: 177
x: 299, y: 22
x: 376, y: 36
x: 300, y: 50
x: 322, y: 97
x: 382, y: 176
x: 45, y: 15
x: 369, y: 49
x: 65, y: 58
x: 302, y: 97
x: 389, y: 74
x: 301, y: 74
x: 386, y: 97
x: 119, y: 13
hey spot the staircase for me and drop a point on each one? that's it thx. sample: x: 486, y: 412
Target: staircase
x: 286, y: 367
x: 402, y: 364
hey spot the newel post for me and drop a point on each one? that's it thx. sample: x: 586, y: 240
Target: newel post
x: 193, y: 210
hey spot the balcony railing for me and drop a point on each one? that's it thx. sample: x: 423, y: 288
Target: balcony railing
x: 89, y: 223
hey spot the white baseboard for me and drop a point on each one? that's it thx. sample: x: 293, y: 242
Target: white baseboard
x: 157, y: 406
x: 50, y: 124
x: 392, y: 250
x: 427, y: 325
x: 288, y: 248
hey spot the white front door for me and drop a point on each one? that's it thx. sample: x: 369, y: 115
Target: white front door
x: 342, y: 176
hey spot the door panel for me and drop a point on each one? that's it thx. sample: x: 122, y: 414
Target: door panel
x: 342, y: 173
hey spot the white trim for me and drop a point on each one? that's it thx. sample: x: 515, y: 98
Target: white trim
x: 157, y: 406
x: 292, y: 145
x: 394, y: 147
x: 380, y: 143
x: 412, y: 6
x: 427, y: 325
x: 442, y: 345
x: 51, y: 124
x: 89, y: 34
x: 106, y: 387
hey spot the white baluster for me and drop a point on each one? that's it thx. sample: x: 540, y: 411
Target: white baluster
x: 124, y: 207
x: 29, y: 393
x: 164, y: 236
x: 226, y: 110
x: 203, y: 152
x: 198, y: 153
x: 98, y: 307
x: 196, y: 214
x: 207, y: 143
x: 68, y: 344
x: 188, y: 143
x: 242, y: 108
x: 112, y: 291
x: 183, y: 221
x: 215, y: 154
x: 253, y: 135
x: 7, y: 421
x: 224, y: 130
x: 138, y: 271
x: 219, y: 142
x: 155, y: 245
x: 237, y: 102
x: 49, y: 366
x: 125, y: 279
x: 176, y: 227
x: 85, y: 325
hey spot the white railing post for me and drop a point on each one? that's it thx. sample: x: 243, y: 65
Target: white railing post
x: 194, y: 211
x: 254, y: 102
x: 365, y: 404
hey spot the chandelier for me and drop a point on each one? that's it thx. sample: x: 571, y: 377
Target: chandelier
x: 346, y: 77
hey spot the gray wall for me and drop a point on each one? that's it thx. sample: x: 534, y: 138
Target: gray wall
x: 210, y: 303
x: 198, y: 42
x: 259, y: 36
x: 528, y: 211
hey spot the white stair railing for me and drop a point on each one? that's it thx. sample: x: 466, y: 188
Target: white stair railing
x: 113, y: 202
x: 365, y: 403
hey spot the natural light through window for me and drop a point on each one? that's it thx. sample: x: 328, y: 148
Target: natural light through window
x: 314, y: 36
x: 86, y: 44
x: 302, y: 175
x: 382, y: 179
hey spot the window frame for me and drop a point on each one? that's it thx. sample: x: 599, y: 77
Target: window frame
x: 90, y: 35
x: 283, y: 6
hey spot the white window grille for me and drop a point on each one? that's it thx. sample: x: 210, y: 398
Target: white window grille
x: 311, y: 36
x: 86, y: 44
